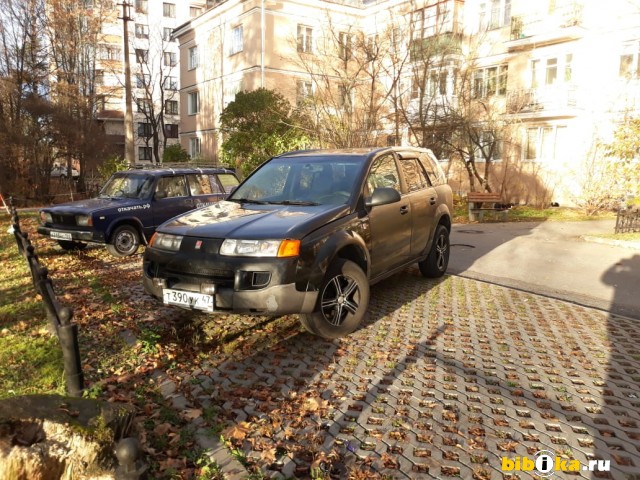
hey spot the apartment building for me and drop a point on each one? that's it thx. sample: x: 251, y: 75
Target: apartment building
x: 560, y: 73
x: 154, y: 65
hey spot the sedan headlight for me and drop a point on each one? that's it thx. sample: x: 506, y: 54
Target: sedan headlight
x: 46, y: 217
x: 260, y: 248
x: 166, y: 241
x: 84, y: 220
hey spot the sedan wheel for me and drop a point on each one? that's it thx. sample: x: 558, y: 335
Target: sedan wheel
x: 343, y: 302
x: 436, y: 263
x: 124, y: 241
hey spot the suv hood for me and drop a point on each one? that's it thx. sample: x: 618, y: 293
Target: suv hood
x: 92, y: 205
x: 250, y: 221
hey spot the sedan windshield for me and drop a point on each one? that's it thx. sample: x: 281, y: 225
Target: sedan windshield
x: 301, y: 181
x: 127, y: 186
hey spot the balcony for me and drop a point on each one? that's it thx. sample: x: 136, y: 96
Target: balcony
x: 549, y: 101
x: 543, y: 28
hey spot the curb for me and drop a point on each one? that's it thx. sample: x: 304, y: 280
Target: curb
x: 634, y: 245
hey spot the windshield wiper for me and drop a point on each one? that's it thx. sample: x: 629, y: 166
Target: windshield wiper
x: 247, y: 200
x: 295, y: 202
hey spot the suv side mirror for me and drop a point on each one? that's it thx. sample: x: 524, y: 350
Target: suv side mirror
x: 382, y: 196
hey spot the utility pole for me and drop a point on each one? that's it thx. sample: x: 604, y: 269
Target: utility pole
x: 129, y: 141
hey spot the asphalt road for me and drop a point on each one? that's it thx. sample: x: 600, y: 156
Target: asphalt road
x: 552, y: 259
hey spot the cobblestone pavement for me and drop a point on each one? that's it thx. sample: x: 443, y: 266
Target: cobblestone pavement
x: 444, y: 379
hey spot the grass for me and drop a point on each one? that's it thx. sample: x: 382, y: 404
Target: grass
x: 627, y: 237
x: 30, y: 358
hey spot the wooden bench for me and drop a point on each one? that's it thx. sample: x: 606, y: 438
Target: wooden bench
x: 480, y: 202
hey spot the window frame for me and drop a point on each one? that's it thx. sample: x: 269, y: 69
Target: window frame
x: 171, y: 111
x: 193, y: 109
x: 169, y: 59
x: 172, y: 83
x: 146, y: 150
x: 193, y: 56
x: 141, y: 30
x: 171, y: 130
x: 197, y: 143
x: 237, y: 40
x: 168, y: 10
x: 305, y: 38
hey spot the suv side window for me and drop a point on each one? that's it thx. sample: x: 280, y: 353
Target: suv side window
x: 383, y: 173
x: 433, y: 169
x: 414, y: 174
x: 172, y: 186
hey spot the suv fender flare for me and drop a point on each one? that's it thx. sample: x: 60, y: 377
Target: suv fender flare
x: 337, y: 242
x: 133, y: 221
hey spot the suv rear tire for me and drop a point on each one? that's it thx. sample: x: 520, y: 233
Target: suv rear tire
x: 342, y: 303
x: 124, y: 241
x: 437, y: 261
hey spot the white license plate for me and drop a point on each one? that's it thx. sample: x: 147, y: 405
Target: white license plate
x: 199, y: 301
x: 61, y: 235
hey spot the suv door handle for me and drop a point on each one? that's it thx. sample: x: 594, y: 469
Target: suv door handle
x: 404, y: 210
x: 432, y: 201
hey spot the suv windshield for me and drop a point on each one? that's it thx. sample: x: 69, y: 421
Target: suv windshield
x: 308, y: 181
x: 127, y: 186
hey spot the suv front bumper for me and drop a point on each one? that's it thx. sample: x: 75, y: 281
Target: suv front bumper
x: 237, y: 293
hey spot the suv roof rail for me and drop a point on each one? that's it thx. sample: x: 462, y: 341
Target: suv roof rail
x: 153, y: 166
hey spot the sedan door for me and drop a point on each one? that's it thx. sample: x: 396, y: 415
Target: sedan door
x: 390, y: 224
x: 171, y: 198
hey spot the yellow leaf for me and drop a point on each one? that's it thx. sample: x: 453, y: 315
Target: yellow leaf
x: 237, y: 432
x: 191, y: 413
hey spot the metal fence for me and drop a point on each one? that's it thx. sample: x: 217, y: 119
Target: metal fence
x: 628, y: 220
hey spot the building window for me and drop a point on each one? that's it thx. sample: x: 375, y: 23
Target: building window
x: 142, y: 80
x: 144, y: 129
x: 195, y: 12
x: 488, y: 147
x: 346, y: 98
x: 141, y: 6
x: 170, y: 83
x: 237, y: 41
x: 193, y: 103
x: 169, y: 10
x: 194, y: 147
x: 170, y: 59
x: 98, y: 77
x: 305, y: 39
x: 545, y: 142
x: 432, y: 20
x: 490, y: 81
x: 142, y: 55
x: 171, y: 130
x: 344, y: 45
x: 304, y: 91
x: 171, y: 107
x: 142, y: 30
x: 194, y: 58
x: 498, y: 16
x: 630, y: 61
x: 143, y: 105
x: 144, y: 153
x: 109, y: 52
x: 167, y: 34
x: 551, y: 71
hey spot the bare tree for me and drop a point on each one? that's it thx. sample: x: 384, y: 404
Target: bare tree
x: 74, y: 31
x: 344, y: 90
x: 25, y: 111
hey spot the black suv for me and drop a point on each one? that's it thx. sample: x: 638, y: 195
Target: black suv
x: 307, y: 233
x: 132, y: 204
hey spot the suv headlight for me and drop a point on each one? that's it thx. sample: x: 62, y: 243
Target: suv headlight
x: 166, y: 241
x: 260, y: 248
x: 46, y: 217
x: 84, y: 220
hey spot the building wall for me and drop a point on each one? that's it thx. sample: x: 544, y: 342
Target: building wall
x: 575, y: 47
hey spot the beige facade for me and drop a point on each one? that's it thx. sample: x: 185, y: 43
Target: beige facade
x: 153, y: 57
x: 564, y: 72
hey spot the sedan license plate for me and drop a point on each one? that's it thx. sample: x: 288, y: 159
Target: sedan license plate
x: 181, y: 298
x: 61, y: 235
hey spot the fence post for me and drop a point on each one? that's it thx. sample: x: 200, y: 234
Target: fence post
x: 68, y: 336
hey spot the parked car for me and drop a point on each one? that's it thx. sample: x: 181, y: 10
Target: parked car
x: 307, y: 232
x: 132, y: 204
x: 62, y: 172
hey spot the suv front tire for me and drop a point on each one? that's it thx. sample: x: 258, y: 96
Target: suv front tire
x: 124, y: 241
x: 342, y: 303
